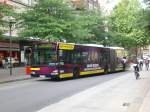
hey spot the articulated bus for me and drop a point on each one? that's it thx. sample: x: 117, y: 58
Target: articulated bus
x: 66, y: 60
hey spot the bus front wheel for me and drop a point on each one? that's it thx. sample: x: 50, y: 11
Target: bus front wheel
x: 76, y: 73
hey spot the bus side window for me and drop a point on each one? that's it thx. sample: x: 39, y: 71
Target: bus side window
x: 77, y: 57
x: 100, y: 58
x: 62, y: 54
x: 85, y: 57
x: 66, y: 56
x: 105, y: 59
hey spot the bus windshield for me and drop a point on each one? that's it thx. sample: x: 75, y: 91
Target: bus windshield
x: 44, y: 57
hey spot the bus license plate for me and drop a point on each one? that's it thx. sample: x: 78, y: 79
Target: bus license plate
x: 42, y: 76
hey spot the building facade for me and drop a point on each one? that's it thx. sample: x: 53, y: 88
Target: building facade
x: 85, y: 4
x: 5, y: 50
x: 17, y: 45
x: 19, y: 5
x: 105, y: 5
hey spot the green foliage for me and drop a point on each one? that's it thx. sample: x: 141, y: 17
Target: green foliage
x: 92, y: 22
x: 52, y: 20
x: 125, y: 26
x: 47, y: 20
x: 5, y: 10
x: 146, y: 18
x: 55, y: 20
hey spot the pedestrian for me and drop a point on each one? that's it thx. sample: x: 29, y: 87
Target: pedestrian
x: 136, y: 70
x: 3, y: 63
x: 141, y: 63
x: 147, y: 63
x: 6, y: 62
x: 124, y: 61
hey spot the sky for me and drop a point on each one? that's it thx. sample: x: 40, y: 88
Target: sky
x: 108, y: 5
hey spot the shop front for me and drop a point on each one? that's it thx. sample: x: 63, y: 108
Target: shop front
x: 5, y: 52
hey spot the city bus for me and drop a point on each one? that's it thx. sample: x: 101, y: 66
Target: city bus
x: 69, y: 60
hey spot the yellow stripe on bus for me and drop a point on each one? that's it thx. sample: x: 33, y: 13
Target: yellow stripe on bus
x: 66, y: 75
x: 35, y: 68
x: 92, y: 72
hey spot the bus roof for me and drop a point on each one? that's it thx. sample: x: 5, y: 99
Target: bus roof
x: 117, y: 48
x: 91, y: 45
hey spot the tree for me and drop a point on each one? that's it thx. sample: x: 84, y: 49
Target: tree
x: 147, y: 17
x: 125, y: 26
x: 46, y: 20
x: 5, y: 10
x: 92, y: 22
x: 52, y: 20
x: 56, y: 20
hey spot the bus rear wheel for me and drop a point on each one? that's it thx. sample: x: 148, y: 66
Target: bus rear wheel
x: 106, y: 69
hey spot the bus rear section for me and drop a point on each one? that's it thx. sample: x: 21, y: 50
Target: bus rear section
x: 117, y: 56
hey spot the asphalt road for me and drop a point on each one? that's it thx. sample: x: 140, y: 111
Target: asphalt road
x: 35, y: 94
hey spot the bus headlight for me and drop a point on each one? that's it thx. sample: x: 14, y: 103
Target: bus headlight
x: 32, y: 72
x: 55, y: 72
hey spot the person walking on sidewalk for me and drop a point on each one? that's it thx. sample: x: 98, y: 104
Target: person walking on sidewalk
x: 124, y: 61
x: 136, y: 70
x: 147, y: 63
x: 5, y: 63
x: 141, y: 63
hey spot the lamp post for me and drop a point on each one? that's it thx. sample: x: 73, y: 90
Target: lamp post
x: 105, y: 43
x: 11, y: 21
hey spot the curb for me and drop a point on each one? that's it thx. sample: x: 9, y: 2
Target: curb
x: 15, y: 80
x: 145, y: 104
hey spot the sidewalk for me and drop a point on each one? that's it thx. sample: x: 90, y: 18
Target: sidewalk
x: 123, y: 94
x: 18, y: 74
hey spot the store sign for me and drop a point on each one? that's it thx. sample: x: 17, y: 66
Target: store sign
x: 5, y: 44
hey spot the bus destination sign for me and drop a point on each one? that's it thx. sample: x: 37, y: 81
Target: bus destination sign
x: 66, y: 46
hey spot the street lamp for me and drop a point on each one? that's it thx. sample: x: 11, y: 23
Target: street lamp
x: 105, y: 42
x: 11, y: 21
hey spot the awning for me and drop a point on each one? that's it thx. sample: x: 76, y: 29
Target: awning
x: 7, y: 49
